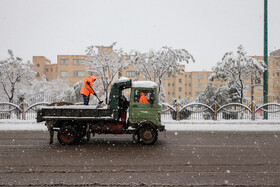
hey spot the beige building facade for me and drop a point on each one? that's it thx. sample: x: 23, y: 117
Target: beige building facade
x: 72, y: 68
x: 184, y: 85
x: 42, y: 66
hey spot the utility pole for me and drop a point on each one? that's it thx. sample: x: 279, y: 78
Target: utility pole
x: 265, y: 75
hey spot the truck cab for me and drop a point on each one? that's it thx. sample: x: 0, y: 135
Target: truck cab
x: 150, y: 111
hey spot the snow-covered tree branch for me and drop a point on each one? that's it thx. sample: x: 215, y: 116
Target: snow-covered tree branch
x: 235, y: 69
x: 14, y: 71
x: 105, y: 63
x: 158, y: 65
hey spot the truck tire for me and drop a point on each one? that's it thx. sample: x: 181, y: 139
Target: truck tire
x: 67, y: 135
x: 147, y: 135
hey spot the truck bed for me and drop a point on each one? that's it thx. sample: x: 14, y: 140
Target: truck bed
x: 73, y: 112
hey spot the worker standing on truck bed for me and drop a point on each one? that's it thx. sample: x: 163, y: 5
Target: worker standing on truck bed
x: 86, y: 89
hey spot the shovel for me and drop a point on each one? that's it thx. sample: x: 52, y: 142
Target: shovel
x: 100, y: 101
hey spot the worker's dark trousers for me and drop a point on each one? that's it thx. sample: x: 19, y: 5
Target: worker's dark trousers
x: 86, y: 100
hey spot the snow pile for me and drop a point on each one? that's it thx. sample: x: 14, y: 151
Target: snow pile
x: 74, y: 107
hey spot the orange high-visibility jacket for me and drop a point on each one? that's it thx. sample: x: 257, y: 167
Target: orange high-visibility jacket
x: 86, y: 90
x: 143, y: 98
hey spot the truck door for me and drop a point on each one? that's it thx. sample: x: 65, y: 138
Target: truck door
x: 143, y: 106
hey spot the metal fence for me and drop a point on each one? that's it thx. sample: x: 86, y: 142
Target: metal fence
x: 192, y: 111
x: 27, y: 109
x: 231, y: 111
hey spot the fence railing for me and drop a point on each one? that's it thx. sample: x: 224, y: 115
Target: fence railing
x: 21, y: 111
x: 231, y: 111
x: 191, y: 111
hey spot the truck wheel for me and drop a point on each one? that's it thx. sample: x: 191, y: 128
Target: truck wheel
x: 67, y: 135
x: 148, y: 135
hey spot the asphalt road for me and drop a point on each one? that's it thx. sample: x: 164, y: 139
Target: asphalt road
x: 180, y: 159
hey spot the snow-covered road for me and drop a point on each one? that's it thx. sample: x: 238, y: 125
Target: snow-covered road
x: 171, y: 125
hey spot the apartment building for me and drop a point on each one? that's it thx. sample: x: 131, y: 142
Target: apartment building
x: 182, y: 85
x: 273, y: 79
x: 72, y: 68
x: 43, y: 66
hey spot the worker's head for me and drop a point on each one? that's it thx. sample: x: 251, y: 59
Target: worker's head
x: 93, y: 78
x: 142, y: 94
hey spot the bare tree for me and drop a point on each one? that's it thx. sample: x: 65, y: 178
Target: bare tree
x: 13, y: 71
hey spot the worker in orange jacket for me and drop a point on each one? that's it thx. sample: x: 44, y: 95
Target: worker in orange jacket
x: 143, y: 98
x: 86, y: 89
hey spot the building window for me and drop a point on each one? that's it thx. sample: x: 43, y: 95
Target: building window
x: 63, y: 73
x: 180, y: 80
x: 172, y: 84
x: 190, y: 85
x: 131, y: 73
x: 47, y: 69
x: 79, y: 74
x: 278, y: 74
x: 190, y: 93
x: 168, y: 84
x: 168, y: 93
x: 190, y: 76
x: 37, y: 74
x: 199, y: 76
x: 186, y: 93
x: 38, y: 65
x: 51, y: 69
x: 79, y: 61
x: 63, y: 61
x: 199, y: 85
x: 180, y: 89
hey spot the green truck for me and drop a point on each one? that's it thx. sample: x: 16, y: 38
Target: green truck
x: 121, y: 116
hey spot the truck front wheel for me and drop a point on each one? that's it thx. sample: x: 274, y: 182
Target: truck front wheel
x: 67, y: 135
x: 148, y: 135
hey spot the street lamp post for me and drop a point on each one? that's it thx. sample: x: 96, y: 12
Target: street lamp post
x: 265, y: 75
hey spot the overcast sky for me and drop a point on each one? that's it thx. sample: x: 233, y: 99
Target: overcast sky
x: 206, y: 28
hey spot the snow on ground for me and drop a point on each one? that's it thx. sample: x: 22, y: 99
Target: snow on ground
x: 21, y: 125
x: 171, y: 125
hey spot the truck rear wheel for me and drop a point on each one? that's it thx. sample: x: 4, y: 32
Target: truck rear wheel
x: 148, y: 135
x: 67, y: 135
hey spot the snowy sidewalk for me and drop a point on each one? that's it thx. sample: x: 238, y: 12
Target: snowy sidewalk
x: 171, y: 125
x: 224, y: 125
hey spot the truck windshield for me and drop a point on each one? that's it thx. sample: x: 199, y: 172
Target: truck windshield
x: 144, y: 96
